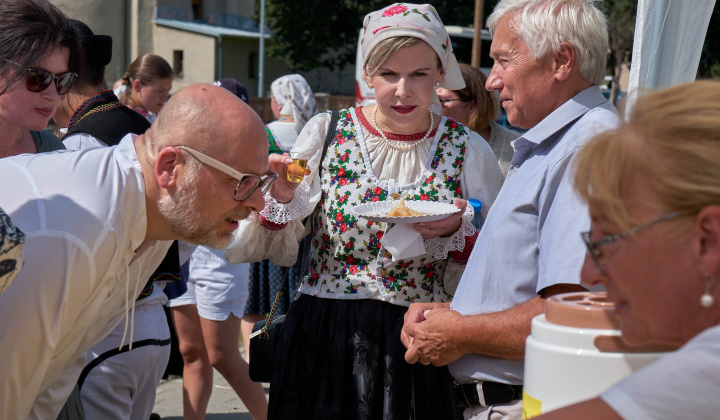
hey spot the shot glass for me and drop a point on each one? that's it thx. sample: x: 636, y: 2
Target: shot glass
x: 296, y: 170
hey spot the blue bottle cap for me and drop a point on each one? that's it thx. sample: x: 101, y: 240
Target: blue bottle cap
x: 476, y: 204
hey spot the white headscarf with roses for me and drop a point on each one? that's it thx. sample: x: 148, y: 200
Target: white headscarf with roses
x: 419, y: 21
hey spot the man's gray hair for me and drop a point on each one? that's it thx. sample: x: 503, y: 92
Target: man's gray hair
x: 544, y: 24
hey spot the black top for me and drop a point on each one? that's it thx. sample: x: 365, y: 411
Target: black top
x: 105, y: 118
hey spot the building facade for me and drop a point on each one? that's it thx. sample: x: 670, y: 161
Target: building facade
x: 203, y: 40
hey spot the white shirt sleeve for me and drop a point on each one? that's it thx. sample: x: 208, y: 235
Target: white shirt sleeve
x: 481, y: 179
x: 252, y: 241
x: 39, y: 310
x: 82, y: 141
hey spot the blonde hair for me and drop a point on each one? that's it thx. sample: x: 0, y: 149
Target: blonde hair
x: 387, y: 47
x: 671, y: 143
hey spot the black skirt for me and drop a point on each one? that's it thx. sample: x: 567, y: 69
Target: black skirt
x: 343, y: 359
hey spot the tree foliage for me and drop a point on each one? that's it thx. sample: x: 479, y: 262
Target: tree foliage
x: 318, y: 33
x: 621, y: 30
x: 710, y: 59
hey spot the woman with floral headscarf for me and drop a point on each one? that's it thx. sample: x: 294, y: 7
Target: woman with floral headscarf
x: 293, y: 104
x: 339, y: 354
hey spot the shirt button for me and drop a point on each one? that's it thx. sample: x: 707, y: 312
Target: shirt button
x: 383, y: 272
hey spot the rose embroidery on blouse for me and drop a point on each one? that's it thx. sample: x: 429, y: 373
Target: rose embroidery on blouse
x: 348, y: 257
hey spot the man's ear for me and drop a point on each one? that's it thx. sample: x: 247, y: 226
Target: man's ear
x: 167, y: 161
x: 707, y: 224
x: 564, y: 61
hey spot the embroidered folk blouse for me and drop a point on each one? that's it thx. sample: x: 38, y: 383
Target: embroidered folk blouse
x: 348, y: 260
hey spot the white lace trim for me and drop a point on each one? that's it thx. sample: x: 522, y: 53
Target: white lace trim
x: 440, y: 247
x: 280, y: 213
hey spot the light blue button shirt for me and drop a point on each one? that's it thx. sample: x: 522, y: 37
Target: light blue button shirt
x: 531, y: 238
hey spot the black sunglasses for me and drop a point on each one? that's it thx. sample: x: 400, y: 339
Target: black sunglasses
x: 38, y: 79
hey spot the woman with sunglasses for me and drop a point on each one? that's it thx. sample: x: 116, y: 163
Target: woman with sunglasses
x: 39, y: 58
x: 477, y: 108
x: 339, y: 354
x: 653, y: 190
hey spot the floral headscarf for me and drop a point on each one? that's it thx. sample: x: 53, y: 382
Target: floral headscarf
x: 296, y: 98
x: 419, y: 21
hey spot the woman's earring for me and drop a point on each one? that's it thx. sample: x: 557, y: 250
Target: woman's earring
x: 707, y: 300
x: 437, y: 85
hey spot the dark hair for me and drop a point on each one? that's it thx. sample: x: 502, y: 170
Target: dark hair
x: 146, y: 68
x: 29, y: 29
x: 486, y: 104
x: 98, y: 54
x: 93, y: 75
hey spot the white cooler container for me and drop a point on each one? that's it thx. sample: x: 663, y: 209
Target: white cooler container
x: 575, y: 353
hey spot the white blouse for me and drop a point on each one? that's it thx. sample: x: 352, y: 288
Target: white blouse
x: 481, y: 179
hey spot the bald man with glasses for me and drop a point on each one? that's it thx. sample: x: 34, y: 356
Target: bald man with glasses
x: 100, y: 219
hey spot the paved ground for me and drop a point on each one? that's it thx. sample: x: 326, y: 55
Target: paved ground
x: 224, y: 403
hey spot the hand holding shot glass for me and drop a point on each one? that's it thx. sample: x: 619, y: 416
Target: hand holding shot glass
x: 296, y: 169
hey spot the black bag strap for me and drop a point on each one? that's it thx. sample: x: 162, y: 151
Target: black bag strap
x: 306, y: 241
x: 264, y: 331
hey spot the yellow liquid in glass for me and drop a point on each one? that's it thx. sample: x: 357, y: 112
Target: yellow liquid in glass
x: 296, y: 170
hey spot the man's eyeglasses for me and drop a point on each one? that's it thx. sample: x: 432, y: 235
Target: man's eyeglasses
x: 444, y: 101
x: 247, y: 184
x: 594, y: 247
x: 38, y: 79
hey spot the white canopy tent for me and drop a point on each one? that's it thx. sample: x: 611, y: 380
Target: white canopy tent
x: 669, y: 36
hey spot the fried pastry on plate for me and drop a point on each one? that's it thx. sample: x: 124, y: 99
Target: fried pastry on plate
x: 401, y: 210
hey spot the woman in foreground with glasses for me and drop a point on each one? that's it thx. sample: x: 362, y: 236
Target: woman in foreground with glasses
x: 39, y: 58
x: 653, y: 189
x: 477, y: 108
x: 339, y: 353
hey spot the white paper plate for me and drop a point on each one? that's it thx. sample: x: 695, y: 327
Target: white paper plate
x: 377, y: 210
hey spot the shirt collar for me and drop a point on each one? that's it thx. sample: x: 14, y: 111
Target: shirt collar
x: 568, y: 112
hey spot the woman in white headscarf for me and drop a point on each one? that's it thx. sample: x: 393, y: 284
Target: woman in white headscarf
x: 293, y: 104
x: 339, y: 353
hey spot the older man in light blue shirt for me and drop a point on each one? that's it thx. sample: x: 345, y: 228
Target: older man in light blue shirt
x: 549, y: 56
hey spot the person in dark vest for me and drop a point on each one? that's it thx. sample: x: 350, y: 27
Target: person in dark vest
x: 90, y: 113
x: 119, y: 380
